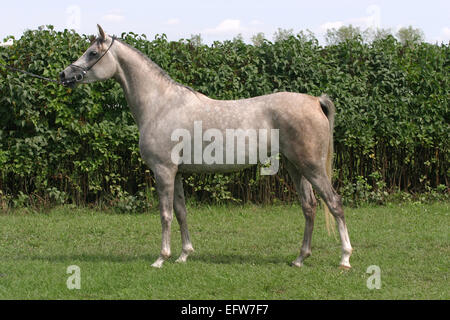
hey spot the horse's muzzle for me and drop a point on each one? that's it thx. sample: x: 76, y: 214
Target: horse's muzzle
x: 71, y: 82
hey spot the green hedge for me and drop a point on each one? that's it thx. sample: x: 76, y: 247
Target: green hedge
x: 392, y: 126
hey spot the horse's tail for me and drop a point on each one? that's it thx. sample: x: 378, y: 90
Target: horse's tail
x: 330, y: 111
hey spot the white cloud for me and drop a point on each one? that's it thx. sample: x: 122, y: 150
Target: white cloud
x: 445, y: 35
x: 331, y: 25
x: 229, y: 28
x: 226, y: 27
x: 256, y: 22
x: 173, y: 21
x: 372, y: 20
x: 114, y: 16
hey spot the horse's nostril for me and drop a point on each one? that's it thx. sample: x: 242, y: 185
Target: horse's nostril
x: 62, y: 75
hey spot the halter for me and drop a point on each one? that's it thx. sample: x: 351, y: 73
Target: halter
x: 84, y: 70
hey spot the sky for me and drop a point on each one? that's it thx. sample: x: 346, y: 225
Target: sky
x: 224, y: 19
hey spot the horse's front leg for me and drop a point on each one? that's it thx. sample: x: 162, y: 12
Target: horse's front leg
x: 165, y: 178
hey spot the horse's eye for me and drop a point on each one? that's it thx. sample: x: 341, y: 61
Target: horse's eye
x: 93, y: 53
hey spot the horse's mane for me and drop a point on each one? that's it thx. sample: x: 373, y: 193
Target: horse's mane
x: 163, y: 74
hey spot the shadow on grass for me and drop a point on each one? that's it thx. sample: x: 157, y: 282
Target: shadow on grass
x: 211, y: 258
x: 94, y: 258
x: 236, y: 258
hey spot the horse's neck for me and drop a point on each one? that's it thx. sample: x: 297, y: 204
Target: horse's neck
x: 143, y: 86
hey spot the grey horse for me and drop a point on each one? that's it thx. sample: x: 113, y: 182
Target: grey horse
x: 160, y: 106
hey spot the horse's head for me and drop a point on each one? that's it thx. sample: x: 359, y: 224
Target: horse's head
x: 96, y: 64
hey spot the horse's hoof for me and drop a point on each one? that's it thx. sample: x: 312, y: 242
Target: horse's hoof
x: 181, y: 260
x: 296, y: 264
x: 345, y: 267
x: 184, y: 255
x: 158, y: 264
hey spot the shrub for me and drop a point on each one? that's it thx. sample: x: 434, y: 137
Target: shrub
x: 392, y: 126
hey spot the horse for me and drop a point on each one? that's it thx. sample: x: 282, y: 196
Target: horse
x: 161, y: 106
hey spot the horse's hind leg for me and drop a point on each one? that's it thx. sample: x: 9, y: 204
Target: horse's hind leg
x: 309, y: 204
x: 322, y: 184
x: 181, y: 213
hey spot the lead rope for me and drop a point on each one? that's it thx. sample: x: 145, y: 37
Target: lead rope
x: 30, y: 74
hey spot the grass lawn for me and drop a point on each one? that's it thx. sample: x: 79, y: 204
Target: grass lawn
x: 242, y: 252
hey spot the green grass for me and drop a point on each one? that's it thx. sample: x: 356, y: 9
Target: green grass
x: 242, y: 252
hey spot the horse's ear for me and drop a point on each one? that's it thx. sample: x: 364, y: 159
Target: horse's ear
x: 101, y: 33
